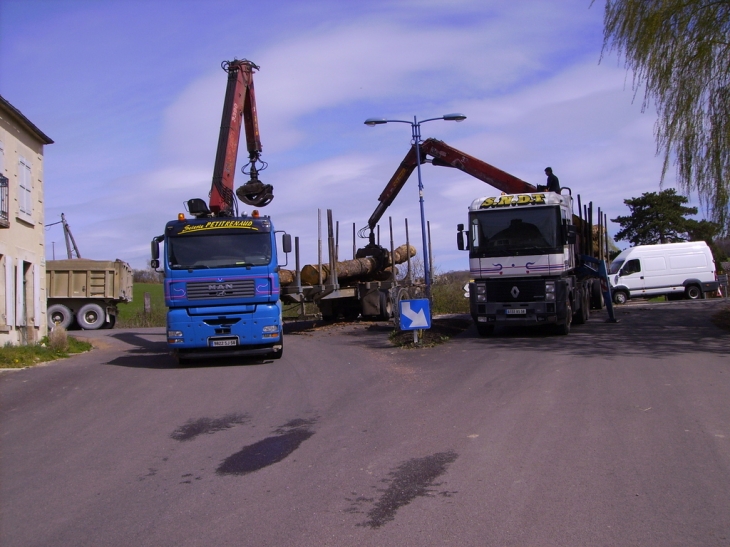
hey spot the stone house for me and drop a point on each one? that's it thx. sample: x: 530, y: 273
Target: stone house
x: 22, y: 242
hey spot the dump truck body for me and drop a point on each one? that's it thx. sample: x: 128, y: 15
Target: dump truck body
x: 86, y: 291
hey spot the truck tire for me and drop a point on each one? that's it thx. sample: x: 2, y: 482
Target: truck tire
x: 110, y: 324
x: 386, y: 307
x: 277, y: 354
x: 563, y: 328
x: 60, y: 315
x: 399, y: 294
x: 582, y: 314
x: 91, y: 316
x: 597, y: 302
x: 693, y: 292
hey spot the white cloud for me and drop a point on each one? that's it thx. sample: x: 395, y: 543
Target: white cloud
x: 525, y: 73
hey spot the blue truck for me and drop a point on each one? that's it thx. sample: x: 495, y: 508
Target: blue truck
x: 221, y: 268
x: 222, y: 286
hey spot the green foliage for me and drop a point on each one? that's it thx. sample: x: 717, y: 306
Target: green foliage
x: 148, y: 276
x: 29, y: 355
x: 447, y: 293
x: 656, y: 218
x: 679, y: 51
x: 132, y: 314
x: 706, y: 231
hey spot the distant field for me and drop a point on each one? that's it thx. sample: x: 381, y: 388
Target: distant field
x: 132, y: 314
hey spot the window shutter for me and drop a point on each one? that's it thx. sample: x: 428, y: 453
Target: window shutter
x: 25, y: 182
x: 36, y: 295
x: 9, y: 292
x: 19, y: 294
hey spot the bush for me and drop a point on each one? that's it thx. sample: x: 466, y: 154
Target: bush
x: 58, y: 339
x: 447, y: 293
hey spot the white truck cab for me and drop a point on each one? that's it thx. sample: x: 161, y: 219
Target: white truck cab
x: 672, y: 269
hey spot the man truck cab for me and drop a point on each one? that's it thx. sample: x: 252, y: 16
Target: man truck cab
x: 672, y: 269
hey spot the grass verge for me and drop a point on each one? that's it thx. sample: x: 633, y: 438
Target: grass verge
x: 27, y: 356
x: 132, y: 314
x: 442, y: 329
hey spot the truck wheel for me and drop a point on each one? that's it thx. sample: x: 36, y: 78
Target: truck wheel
x: 693, y: 292
x: 400, y: 294
x: 596, y: 295
x: 485, y: 330
x: 582, y: 316
x: 620, y: 297
x: 386, y: 307
x: 110, y: 324
x: 91, y: 316
x: 564, y: 328
x: 277, y: 354
x: 60, y: 315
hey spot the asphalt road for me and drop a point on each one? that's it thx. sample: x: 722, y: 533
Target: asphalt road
x: 618, y: 434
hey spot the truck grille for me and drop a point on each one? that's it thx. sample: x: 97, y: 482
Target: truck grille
x: 245, y: 288
x: 523, y: 290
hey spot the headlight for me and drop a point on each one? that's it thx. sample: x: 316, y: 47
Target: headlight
x: 174, y: 333
x: 549, y: 290
x: 270, y: 331
x: 271, y: 328
x: 481, y: 292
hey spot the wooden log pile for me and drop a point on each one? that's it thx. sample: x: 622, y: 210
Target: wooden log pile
x: 365, y: 269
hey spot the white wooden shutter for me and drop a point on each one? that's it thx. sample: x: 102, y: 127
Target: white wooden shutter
x: 36, y: 295
x: 9, y: 292
x: 19, y: 295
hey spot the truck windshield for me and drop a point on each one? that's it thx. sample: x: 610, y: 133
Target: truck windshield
x: 191, y: 252
x: 514, y: 232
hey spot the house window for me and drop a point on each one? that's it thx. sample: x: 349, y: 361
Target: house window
x: 25, y: 184
x: 4, y: 202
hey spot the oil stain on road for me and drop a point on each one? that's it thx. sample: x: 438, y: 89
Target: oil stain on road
x: 411, y: 479
x: 201, y: 426
x: 268, y: 451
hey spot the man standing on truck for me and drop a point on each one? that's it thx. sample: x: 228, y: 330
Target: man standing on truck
x: 553, y: 184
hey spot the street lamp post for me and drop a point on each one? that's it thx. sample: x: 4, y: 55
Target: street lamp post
x: 416, y: 141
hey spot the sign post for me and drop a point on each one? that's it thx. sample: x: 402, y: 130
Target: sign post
x: 415, y: 315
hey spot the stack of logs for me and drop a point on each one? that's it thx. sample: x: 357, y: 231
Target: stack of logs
x: 363, y: 269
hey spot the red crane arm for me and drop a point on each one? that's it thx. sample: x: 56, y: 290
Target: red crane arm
x: 447, y: 156
x: 239, y: 104
x: 394, y: 186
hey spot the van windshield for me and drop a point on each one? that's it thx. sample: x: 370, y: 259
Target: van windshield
x: 616, y: 266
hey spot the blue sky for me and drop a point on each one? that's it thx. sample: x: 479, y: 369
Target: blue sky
x: 131, y: 91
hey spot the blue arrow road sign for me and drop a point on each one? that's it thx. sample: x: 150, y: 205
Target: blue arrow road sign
x: 415, y: 314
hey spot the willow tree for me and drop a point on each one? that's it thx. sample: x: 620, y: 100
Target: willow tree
x: 679, y: 52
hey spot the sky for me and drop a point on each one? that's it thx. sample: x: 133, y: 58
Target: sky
x: 131, y: 91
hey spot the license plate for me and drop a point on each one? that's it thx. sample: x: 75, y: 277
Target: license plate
x: 515, y: 311
x: 224, y: 342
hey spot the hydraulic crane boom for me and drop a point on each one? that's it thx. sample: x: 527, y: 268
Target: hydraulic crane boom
x: 447, y: 156
x: 239, y: 108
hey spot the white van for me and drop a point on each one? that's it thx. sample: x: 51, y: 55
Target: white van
x: 672, y: 269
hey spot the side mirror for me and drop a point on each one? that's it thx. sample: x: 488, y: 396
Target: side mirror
x: 286, y: 243
x: 154, y: 264
x: 460, y: 237
x: 571, y: 234
x: 155, y: 249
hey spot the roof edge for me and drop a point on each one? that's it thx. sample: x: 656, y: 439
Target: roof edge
x: 18, y: 115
